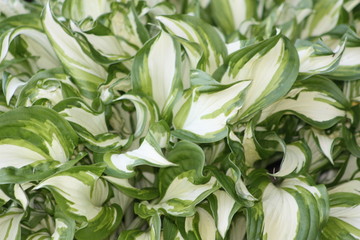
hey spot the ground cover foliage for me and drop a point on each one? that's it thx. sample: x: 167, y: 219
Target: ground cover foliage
x: 180, y: 119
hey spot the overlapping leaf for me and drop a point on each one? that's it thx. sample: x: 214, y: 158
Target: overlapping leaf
x: 26, y: 146
x: 271, y: 66
x: 87, y: 73
x: 303, y: 208
x: 209, y: 119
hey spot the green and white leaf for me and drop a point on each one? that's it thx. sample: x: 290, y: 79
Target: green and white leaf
x: 154, y: 231
x: 156, y: 71
x: 109, y: 47
x: 12, y: 7
x: 64, y: 227
x: 127, y: 188
x: 349, y: 65
x: 73, y: 191
x: 326, y: 143
x: 350, y: 5
x: 79, y: 10
x: 317, y: 59
x: 352, y: 91
x: 181, y: 196
x: 190, y: 58
x: 344, y: 212
x: 232, y: 182
x: 195, y: 30
x: 324, y: 18
x: 202, y: 223
x: 318, y: 159
x: 3, y: 105
x: 163, y: 119
x: 125, y: 23
x: 146, y: 113
x: 51, y: 85
x: 20, y: 196
x: 223, y: 207
x: 316, y: 101
x: 149, y: 153
x: 183, y: 186
x: 229, y: 14
x: 103, y: 225
x: 170, y: 230
x: 37, y: 45
x: 249, y: 144
x: 87, y: 73
x: 296, y: 204
x: 89, y: 125
x: 10, y: 223
x: 271, y: 66
x: 81, y: 194
x: 12, y: 85
x: 24, y: 143
x: 203, y: 111
x: 296, y: 160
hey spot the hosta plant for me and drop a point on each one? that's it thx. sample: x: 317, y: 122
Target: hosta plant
x: 179, y: 119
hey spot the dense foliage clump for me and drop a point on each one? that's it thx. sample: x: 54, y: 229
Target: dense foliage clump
x: 179, y: 119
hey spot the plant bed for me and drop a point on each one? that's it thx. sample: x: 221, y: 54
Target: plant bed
x: 192, y: 119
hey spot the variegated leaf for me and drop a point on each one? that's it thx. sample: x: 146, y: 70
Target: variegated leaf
x: 344, y: 220
x: 295, y: 203
x: 296, y: 160
x: 326, y: 143
x: 154, y: 231
x: 325, y: 17
x: 156, y: 71
x: 202, y: 224
x: 317, y: 101
x: 203, y: 111
x: 24, y: 144
x: 10, y: 223
x: 12, y: 85
x: 125, y: 186
x: 81, y: 194
x: 149, y: 153
x: 78, y: 10
x: 349, y: 170
x: 195, y: 30
x: 181, y: 197
x: 318, y: 159
x: 223, y: 208
x: 271, y: 66
x: 249, y: 144
x: 352, y: 91
x: 89, y: 125
x: 146, y: 113
x: 232, y: 182
x: 87, y: 73
x: 182, y: 186
x: 106, y: 49
x: 125, y: 23
x: 51, y: 86
x: 64, y: 227
x: 317, y: 58
x: 37, y: 45
x: 229, y: 14
x: 349, y: 65
x: 13, y: 7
